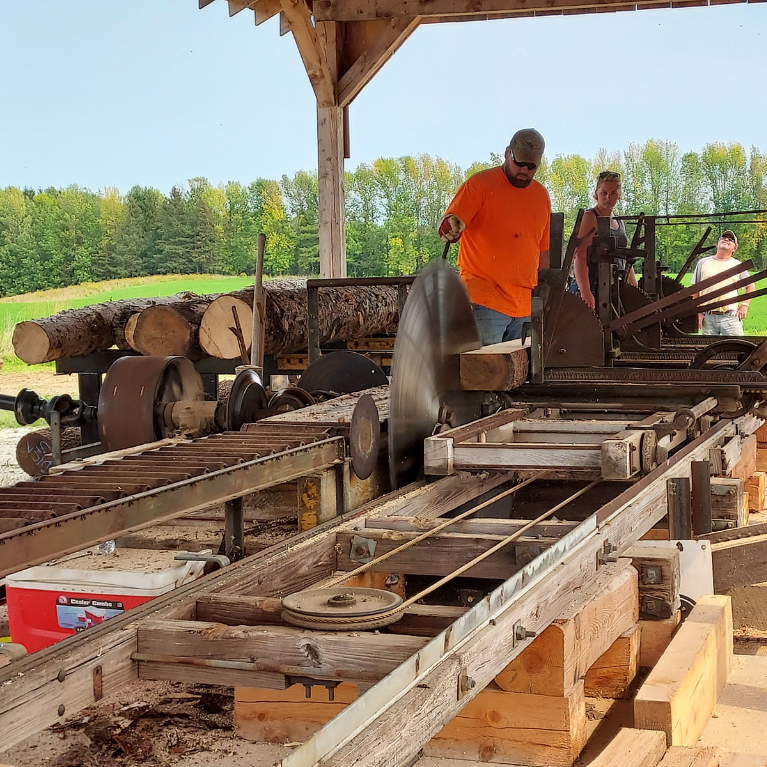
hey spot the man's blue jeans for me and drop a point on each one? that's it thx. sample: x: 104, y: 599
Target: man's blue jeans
x: 495, y: 327
x: 722, y: 324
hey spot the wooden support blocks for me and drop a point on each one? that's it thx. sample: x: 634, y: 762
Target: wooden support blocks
x: 586, y: 629
x: 728, y: 499
x: 746, y: 465
x: 614, y: 671
x: 681, y: 691
x: 496, y: 726
x: 659, y: 576
x: 655, y: 638
x: 515, y: 728
x: 632, y: 748
x: 757, y: 488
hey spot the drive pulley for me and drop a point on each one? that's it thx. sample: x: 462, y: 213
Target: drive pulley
x: 342, y: 608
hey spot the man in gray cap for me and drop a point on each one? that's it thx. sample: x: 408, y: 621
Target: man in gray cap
x: 724, y: 320
x: 501, y: 216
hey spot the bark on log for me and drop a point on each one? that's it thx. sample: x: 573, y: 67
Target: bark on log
x: 33, y: 452
x: 78, y: 331
x: 344, y: 314
x: 171, y: 329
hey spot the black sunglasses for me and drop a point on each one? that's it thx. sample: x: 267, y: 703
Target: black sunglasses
x: 528, y: 165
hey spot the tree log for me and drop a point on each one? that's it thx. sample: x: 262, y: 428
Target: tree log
x: 171, y: 329
x: 79, y: 331
x: 216, y: 336
x: 33, y: 452
x: 344, y: 314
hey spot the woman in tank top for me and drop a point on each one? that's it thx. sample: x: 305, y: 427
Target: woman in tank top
x: 606, y: 195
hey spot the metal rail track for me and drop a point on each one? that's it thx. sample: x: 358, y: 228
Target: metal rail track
x: 64, y: 512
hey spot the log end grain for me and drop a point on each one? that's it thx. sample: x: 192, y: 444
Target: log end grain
x: 161, y: 330
x: 216, y: 337
x: 31, y: 343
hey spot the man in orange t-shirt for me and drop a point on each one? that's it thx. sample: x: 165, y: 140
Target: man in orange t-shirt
x: 501, y: 217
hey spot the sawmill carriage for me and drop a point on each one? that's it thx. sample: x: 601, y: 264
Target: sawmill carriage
x: 455, y: 508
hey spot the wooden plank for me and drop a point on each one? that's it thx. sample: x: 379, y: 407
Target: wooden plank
x: 728, y: 499
x: 614, y: 670
x: 632, y: 748
x: 683, y: 756
x: 757, y: 489
x: 746, y: 463
x: 526, y: 455
x: 383, y: 47
x: 655, y: 637
x: 487, y: 526
x: 439, y: 554
x: 363, y: 10
x: 681, y: 691
x: 659, y: 578
x: 515, y: 728
x: 498, y: 367
x: 266, y: 9
x: 350, y: 656
x: 584, y: 630
x: 740, y: 562
x: 621, y: 455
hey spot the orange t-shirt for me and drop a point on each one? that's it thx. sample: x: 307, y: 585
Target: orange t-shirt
x: 507, y: 228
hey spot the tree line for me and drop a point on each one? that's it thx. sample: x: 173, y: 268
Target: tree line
x: 57, y: 237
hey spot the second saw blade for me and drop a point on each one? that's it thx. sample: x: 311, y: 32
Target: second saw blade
x: 436, y: 326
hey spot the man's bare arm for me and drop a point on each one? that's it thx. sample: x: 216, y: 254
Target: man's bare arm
x: 543, y: 260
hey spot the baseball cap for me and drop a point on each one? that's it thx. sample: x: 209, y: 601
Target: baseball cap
x: 728, y: 234
x: 527, y: 145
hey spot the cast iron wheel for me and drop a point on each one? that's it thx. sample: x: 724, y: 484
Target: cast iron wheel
x: 730, y: 348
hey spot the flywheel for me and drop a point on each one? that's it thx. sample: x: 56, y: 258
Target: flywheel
x: 341, y: 608
x: 341, y: 372
x: 128, y: 412
x: 436, y: 325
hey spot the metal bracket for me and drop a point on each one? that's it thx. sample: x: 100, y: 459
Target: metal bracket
x: 362, y: 549
x: 308, y: 682
x: 466, y: 684
x: 520, y: 634
x: 605, y: 555
x: 652, y: 575
x: 219, y: 560
x: 654, y: 606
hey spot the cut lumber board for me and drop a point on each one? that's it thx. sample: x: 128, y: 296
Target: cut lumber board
x: 655, y: 638
x: 613, y: 672
x: 761, y: 457
x: 498, y: 367
x: 741, y: 562
x: 586, y: 629
x: 515, y: 728
x: 659, y: 577
x: 632, y: 748
x: 683, y: 756
x: 746, y: 466
x: 757, y: 488
x: 681, y: 691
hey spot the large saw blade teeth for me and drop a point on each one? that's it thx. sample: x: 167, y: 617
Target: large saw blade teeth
x: 436, y: 325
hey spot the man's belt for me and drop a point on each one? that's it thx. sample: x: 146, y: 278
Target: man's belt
x: 721, y: 311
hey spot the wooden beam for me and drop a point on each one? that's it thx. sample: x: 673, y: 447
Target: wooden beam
x: 374, y: 57
x: 656, y: 635
x: 265, y: 9
x: 366, y: 10
x: 498, y: 367
x: 632, y: 748
x: 350, y: 656
x: 612, y: 673
x: 235, y: 6
x: 681, y: 691
x: 312, y: 53
x: 593, y: 620
x: 471, y: 526
x: 741, y: 562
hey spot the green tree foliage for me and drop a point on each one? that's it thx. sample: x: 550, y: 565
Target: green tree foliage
x: 55, y: 237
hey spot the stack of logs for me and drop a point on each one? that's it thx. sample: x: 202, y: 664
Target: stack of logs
x: 198, y: 326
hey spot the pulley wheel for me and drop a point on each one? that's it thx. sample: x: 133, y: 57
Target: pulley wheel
x: 365, y: 436
x: 291, y: 398
x: 341, y: 608
x: 246, y: 399
x: 133, y: 388
x: 730, y: 352
x: 436, y: 325
x: 342, y: 372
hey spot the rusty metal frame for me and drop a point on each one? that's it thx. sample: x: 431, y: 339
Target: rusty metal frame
x: 47, y: 540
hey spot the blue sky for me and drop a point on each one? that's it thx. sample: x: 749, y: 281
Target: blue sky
x: 153, y: 92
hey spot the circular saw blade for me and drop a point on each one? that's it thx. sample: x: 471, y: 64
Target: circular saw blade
x: 436, y: 325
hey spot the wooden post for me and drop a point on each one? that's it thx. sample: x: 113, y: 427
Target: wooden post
x: 701, y: 497
x: 330, y: 166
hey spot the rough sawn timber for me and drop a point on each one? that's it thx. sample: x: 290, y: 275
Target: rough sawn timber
x: 499, y: 367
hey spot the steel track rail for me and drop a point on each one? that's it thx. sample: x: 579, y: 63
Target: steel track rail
x: 56, y: 537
